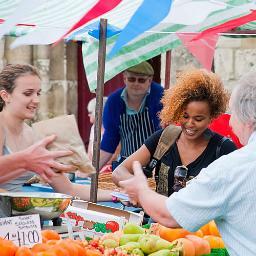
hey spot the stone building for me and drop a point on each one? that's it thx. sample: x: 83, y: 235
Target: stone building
x: 59, y: 69
x: 233, y: 58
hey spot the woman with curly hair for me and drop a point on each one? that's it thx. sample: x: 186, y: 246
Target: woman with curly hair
x: 197, y: 98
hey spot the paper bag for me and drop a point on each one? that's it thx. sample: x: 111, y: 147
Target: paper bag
x: 68, y: 137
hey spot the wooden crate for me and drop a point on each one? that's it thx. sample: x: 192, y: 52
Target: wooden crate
x: 105, y: 182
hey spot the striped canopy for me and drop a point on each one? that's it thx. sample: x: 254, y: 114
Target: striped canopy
x: 48, y: 20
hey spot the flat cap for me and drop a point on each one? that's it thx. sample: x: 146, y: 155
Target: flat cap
x: 144, y: 68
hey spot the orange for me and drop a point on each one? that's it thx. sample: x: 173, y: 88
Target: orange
x: 50, y: 234
x: 59, y: 251
x: 6, y: 251
x: 92, y: 252
x: 199, y: 233
x: 40, y: 248
x: 52, y: 242
x: 205, y: 229
x: 69, y: 246
x: 214, y: 241
x: 47, y: 253
x: 65, y: 203
x: 201, y: 246
x: 80, y: 249
x: 82, y: 243
x: 7, y: 248
x: 171, y: 234
x: 76, y: 245
x: 213, y: 229
x: 23, y: 251
x: 44, y: 240
x: 187, y: 248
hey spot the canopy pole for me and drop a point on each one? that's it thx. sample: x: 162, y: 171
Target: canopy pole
x: 99, y: 108
x: 167, y: 80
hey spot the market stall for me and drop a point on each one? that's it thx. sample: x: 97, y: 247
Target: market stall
x: 131, y: 39
x: 122, y: 52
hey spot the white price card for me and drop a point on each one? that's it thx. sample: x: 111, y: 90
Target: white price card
x: 22, y: 230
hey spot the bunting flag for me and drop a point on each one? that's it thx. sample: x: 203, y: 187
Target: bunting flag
x: 40, y: 36
x: 150, y: 44
x: 25, y: 7
x: 227, y: 25
x: 202, y: 49
x: 180, y: 12
x: 94, y: 31
x: 101, y: 7
x: 140, y: 21
x: 55, y: 15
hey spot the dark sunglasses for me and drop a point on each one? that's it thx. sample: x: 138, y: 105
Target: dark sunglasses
x: 140, y: 80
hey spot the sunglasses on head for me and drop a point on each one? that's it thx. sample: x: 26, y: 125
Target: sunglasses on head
x: 140, y: 80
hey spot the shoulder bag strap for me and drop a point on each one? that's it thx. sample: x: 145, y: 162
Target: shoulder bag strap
x: 168, y: 137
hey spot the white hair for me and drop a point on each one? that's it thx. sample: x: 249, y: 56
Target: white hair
x: 92, y: 105
x: 243, y: 99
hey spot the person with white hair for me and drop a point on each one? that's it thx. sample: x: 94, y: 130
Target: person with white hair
x: 224, y: 191
x: 91, y: 108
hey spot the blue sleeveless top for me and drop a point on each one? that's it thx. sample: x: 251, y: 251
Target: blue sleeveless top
x: 15, y: 185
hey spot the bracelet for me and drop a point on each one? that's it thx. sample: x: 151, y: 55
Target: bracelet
x: 114, y: 199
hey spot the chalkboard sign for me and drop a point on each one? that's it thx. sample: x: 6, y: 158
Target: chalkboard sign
x: 22, y: 230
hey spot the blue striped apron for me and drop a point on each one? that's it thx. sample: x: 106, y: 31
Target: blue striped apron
x: 134, y: 130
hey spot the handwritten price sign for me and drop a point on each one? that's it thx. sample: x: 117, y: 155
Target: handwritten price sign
x: 22, y: 230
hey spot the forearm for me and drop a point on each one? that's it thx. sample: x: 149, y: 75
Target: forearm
x: 157, y: 211
x: 124, y: 170
x: 120, y: 174
x: 83, y: 192
x: 11, y: 166
x: 104, y: 195
x: 104, y: 158
x: 62, y: 184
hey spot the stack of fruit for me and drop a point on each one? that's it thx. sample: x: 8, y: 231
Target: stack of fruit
x: 132, y: 240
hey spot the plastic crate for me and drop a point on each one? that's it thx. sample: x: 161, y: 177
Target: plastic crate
x: 218, y: 252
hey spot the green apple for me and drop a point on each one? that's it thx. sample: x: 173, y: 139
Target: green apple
x: 163, y: 244
x: 110, y: 243
x: 131, y: 228
x: 148, y: 243
x: 164, y: 252
x: 124, y: 239
x: 129, y: 247
x: 138, y: 252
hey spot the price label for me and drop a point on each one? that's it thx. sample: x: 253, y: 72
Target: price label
x: 22, y: 230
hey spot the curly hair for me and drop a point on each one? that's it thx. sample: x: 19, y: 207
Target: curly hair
x: 9, y: 75
x: 193, y: 85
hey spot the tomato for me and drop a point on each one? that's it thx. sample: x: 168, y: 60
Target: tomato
x: 112, y: 225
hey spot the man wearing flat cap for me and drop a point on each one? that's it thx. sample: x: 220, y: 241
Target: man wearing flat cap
x: 131, y: 113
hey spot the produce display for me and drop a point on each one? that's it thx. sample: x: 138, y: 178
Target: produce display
x: 132, y: 240
x: 47, y: 205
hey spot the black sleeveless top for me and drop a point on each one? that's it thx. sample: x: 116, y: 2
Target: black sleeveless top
x: 171, y: 159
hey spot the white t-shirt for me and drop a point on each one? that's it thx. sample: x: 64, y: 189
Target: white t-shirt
x: 226, y: 192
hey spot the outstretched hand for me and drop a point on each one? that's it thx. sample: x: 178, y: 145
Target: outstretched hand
x: 42, y: 161
x: 136, y: 184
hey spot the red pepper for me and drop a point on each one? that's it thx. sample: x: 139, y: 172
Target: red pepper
x: 112, y: 225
